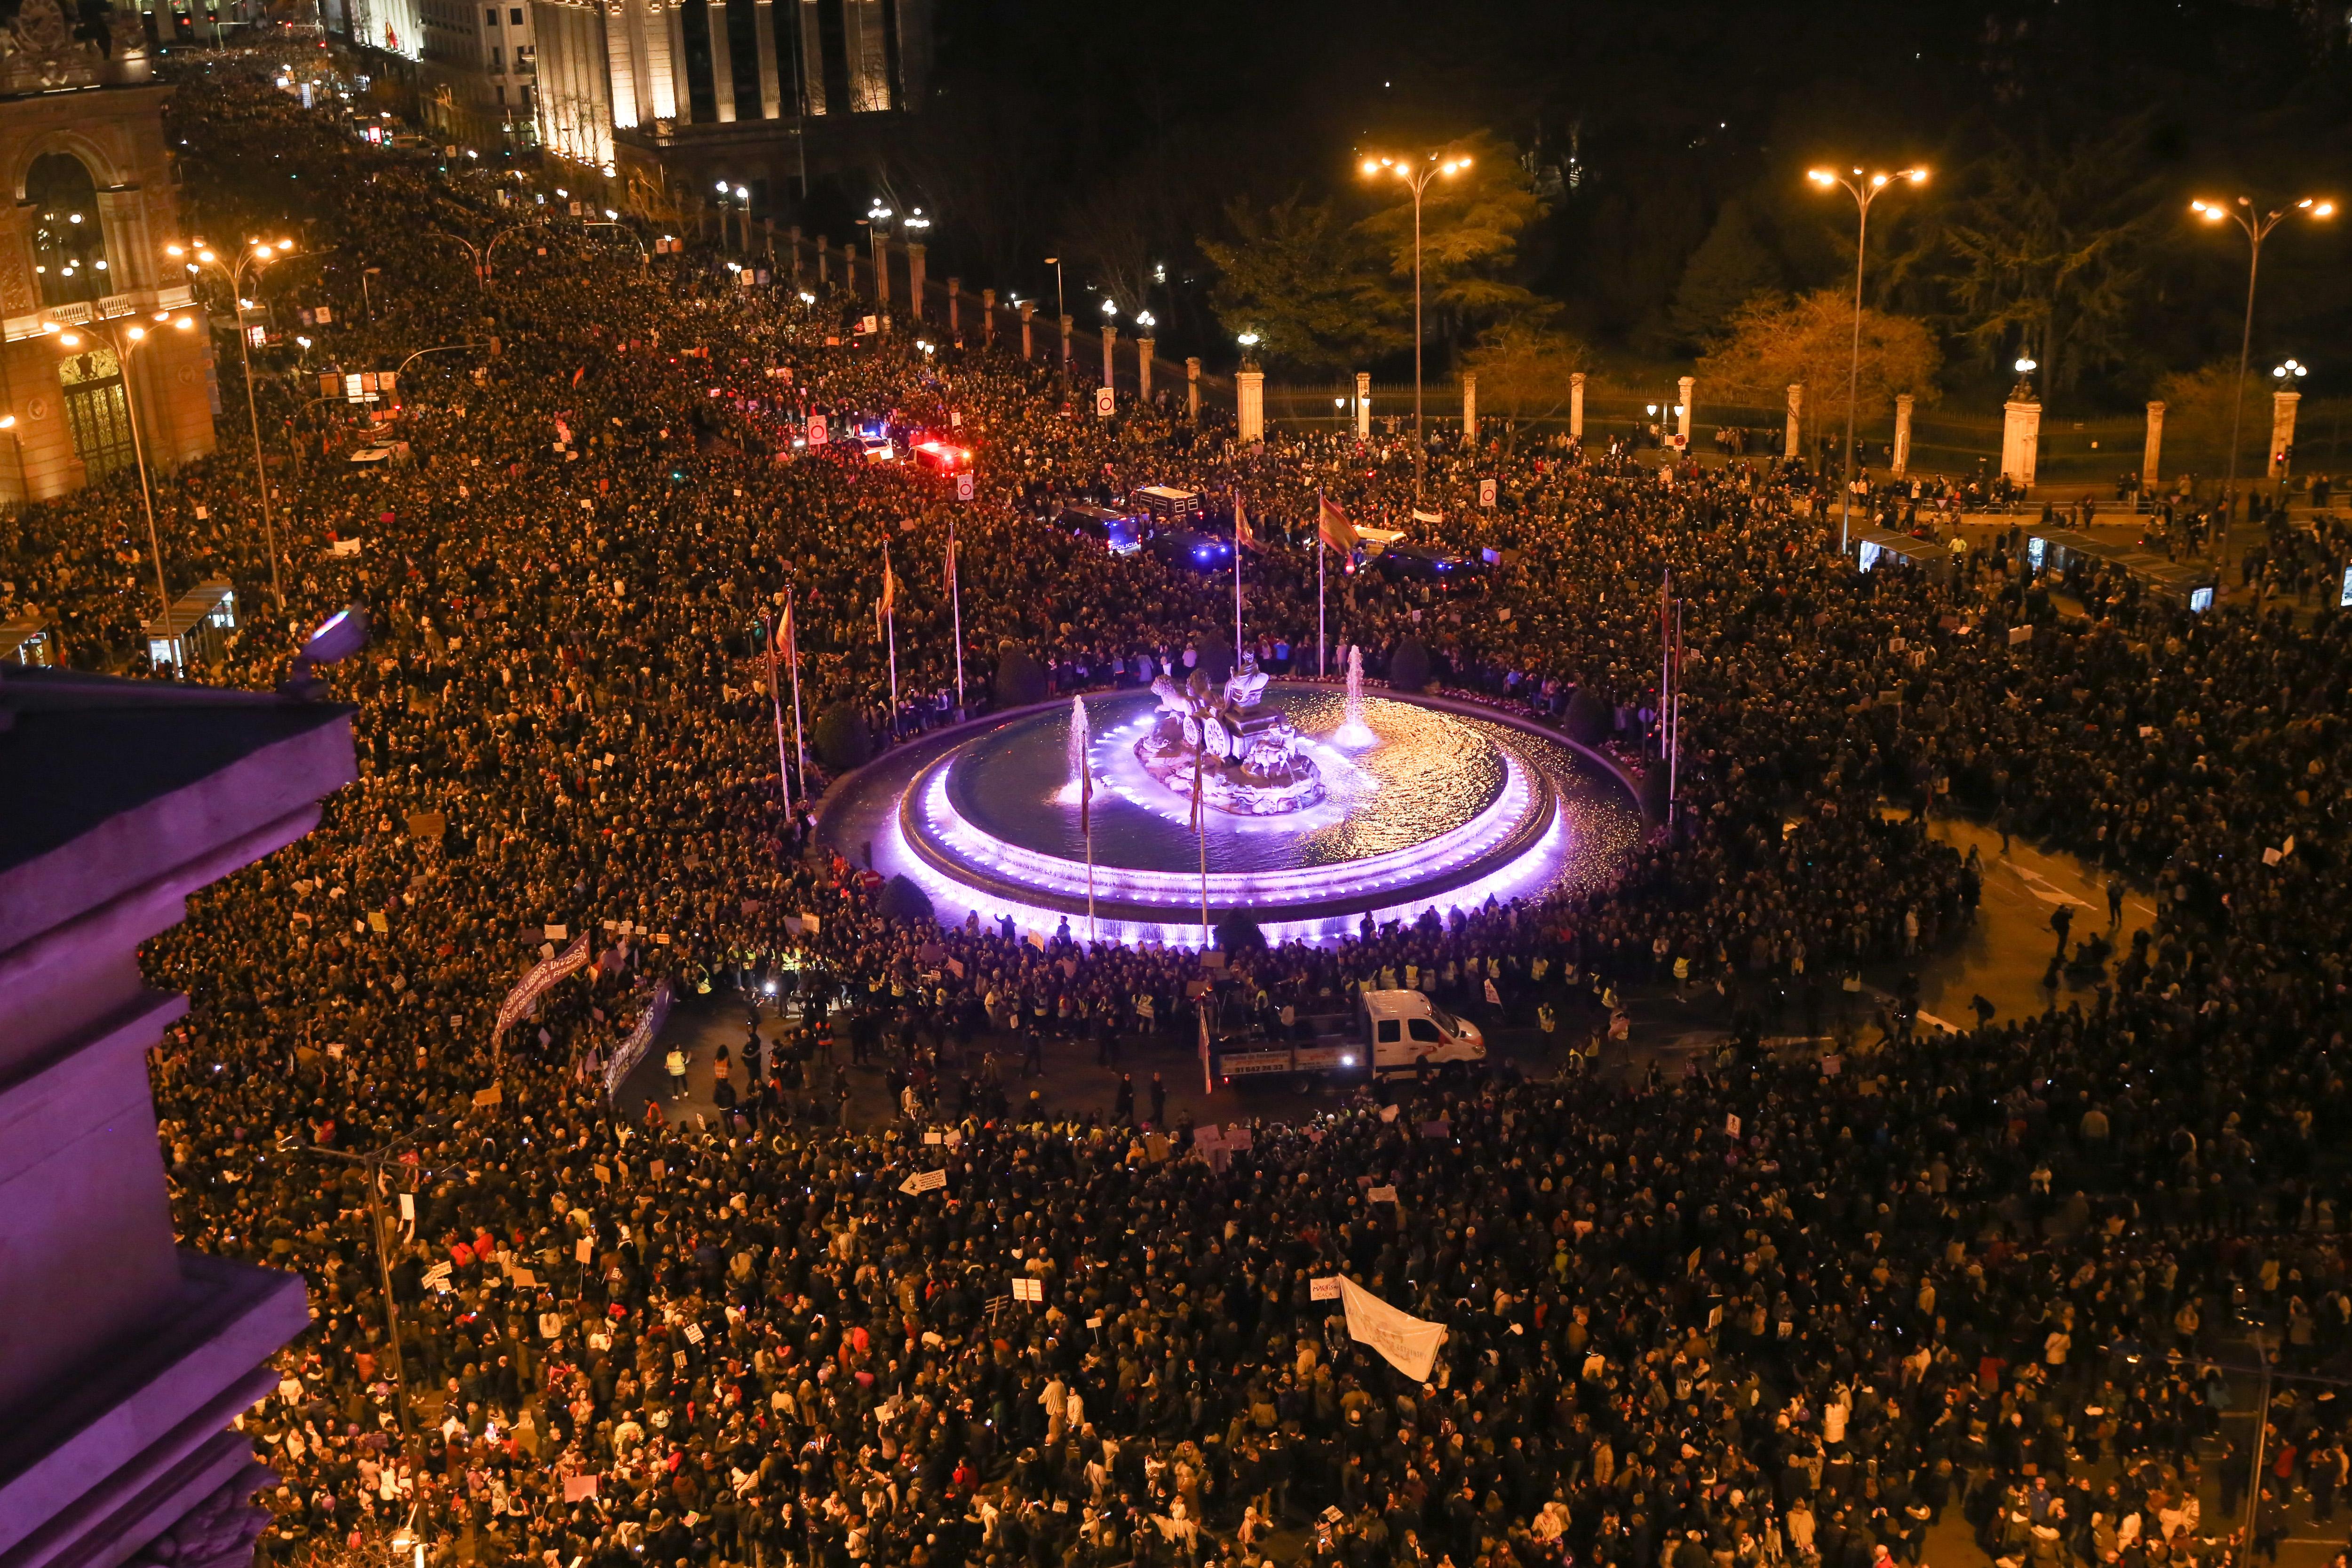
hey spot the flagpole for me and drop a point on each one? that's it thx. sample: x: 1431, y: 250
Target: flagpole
x: 1665, y: 652
x: 955, y: 600
x: 1674, y: 755
x: 776, y: 706
x: 1238, y: 526
x: 1086, y: 807
x: 793, y: 658
x: 890, y: 620
x: 1322, y: 652
x: 1201, y: 829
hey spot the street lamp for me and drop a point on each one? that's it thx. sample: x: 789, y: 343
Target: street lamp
x: 1865, y: 189
x: 238, y: 273
x: 1417, y: 177
x: 1109, y: 308
x: 126, y: 338
x: 1249, y: 342
x: 2257, y: 228
x: 1061, y: 300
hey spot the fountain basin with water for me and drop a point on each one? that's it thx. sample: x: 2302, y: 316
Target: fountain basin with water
x: 1443, y: 806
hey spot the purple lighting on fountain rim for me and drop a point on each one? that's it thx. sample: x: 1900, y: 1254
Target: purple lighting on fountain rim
x: 953, y: 836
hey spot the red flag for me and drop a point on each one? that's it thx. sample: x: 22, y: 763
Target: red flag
x: 1332, y: 525
x: 578, y: 373
x: 790, y: 637
x: 1244, y: 536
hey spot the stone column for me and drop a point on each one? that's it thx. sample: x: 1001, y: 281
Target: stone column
x: 988, y: 317
x: 1193, y: 389
x: 848, y: 268
x: 1143, y: 349
x: 2152, y: 453
x: 1903, y: 401
x: 882, y: 273
x: 914, y: 281
x: 794, y: 234
x: 2282, y: 430
x: 1683, y: 419
x: 1792, y: 444
x: 1028, y: 309
x: 1363, y: 405
x: 1109, y: 342
x: 2020, y: 440
x: 1067, y: 322
x: 823, y: 265
x: 723, y: 75
x: 1470, y: 411
x: 1249, y: 402
x: 955, y: 310
x: 1576, y: 406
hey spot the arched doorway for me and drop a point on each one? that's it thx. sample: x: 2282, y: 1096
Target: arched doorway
x: 98, y: 410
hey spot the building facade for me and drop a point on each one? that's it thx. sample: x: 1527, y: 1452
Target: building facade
x: 478, y: 73
x: 123, y: 1359
x: 91, y: 209
x: 660, y: 96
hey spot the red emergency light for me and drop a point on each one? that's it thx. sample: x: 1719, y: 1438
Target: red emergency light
x: 941, y: 457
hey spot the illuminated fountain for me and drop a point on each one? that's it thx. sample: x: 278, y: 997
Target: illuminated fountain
x: 1353, y: 733
x: 1244, y: 757
x: 1075, y: 750
x: 1437, y: 805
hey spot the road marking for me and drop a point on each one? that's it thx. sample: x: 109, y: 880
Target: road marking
x: 2043, y: 888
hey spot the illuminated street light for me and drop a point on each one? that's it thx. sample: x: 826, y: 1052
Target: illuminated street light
x: 1417, y: 177
x: 241, y: 275
x: 2257, y: 228
x: 1865, y: 189
x: 126, y: 340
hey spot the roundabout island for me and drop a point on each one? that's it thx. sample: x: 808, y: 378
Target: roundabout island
x: 1317, y: 808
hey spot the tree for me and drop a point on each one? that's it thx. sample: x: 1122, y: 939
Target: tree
x: 2042, y: 252
x: 1731, y: 267
x: 1523, y: 369
x: 1470, y: 227
x: 1309, y: 287
x: 1773, y: 340
x: 2198, y: 405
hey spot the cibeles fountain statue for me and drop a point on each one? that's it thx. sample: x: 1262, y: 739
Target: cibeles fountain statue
x: 1250, y: 758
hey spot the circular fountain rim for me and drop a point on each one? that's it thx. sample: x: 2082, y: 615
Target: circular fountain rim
x: 1514, y: 824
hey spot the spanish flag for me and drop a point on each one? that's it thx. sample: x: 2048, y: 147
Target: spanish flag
x: 1332, y: 525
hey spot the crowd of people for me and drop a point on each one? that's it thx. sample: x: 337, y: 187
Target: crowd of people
x: 1790, y: 1307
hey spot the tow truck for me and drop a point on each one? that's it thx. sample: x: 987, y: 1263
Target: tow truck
x: 1391, y: 1034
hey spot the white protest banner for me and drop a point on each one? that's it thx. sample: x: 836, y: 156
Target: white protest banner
x: 1028, y: 1289
x: 535, y: 985
x: 1486, y: 492
x: 632, y: 1050
x: 1380, y: 1195
x: 1324, y: 1290
x: 924, y: 1182
x: 1408, y: 1343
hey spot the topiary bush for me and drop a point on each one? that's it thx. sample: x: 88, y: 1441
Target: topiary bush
x: 842, y: 741
x: 1409, y: 665
x: 1020, y: 678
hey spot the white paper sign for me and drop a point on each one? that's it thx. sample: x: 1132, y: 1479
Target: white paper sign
x: 924, y: 1182
x: 1324, y: 1290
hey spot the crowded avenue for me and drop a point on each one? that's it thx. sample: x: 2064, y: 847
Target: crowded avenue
x: 1798, y: 1270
